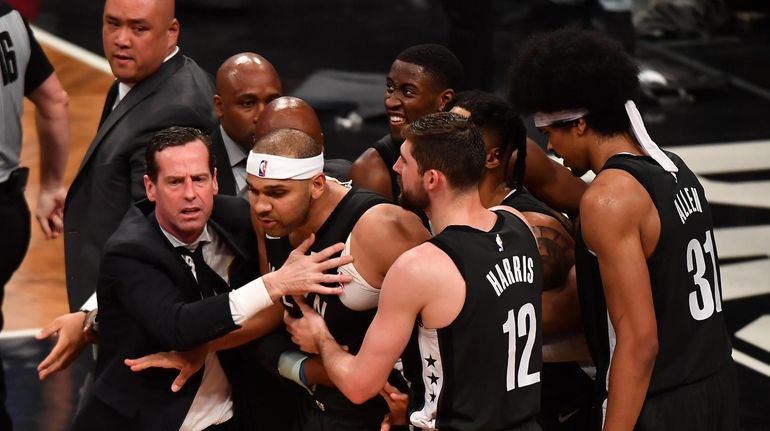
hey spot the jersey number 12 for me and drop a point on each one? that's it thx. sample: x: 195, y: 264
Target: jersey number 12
x: 526, y: 315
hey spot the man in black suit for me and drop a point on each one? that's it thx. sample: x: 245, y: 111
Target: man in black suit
x: 246, y: 83
x: 156, y: 87
x: 164, y: 285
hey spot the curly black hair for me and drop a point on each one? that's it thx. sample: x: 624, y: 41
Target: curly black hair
x: 489, y: 110
x: 438, y: 61
x: 574, y: 68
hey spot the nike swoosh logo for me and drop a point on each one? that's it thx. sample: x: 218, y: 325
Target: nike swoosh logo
x: 565, y: 418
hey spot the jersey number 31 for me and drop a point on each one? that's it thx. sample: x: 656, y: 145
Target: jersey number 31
x: 703, y: 301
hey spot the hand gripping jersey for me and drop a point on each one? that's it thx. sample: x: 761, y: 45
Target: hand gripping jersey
x: 685, y: 281
x: 347, y: 325
x: 482, y: 372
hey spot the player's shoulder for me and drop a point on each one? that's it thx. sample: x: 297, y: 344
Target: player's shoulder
x: 424, y: 261
x: 613, y: 192
x: 390, y: 219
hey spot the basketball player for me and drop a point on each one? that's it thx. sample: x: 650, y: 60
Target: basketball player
x: 469, y: 299
x: 647, y: 270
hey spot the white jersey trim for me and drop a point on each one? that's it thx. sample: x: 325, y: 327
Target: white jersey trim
x: 612, y: 341
x: 432, y: 378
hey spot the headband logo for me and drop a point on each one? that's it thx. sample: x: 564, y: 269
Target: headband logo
x: 262, y: 168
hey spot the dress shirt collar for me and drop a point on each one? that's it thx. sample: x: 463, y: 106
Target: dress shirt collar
x: 204, y: 237
x: 124, y: 88
x: 235, y: 153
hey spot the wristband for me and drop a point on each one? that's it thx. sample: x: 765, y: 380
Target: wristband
x: 290, y: 366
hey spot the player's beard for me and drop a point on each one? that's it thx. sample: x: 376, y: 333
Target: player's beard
x: 416, y: 200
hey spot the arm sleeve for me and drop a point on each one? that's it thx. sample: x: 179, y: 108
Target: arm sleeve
x: 151, y: 297
x: 38, y: 68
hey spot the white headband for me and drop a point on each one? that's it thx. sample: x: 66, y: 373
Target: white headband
x: 284, y: 168
x: 649, y: 147
x: 543, y: 119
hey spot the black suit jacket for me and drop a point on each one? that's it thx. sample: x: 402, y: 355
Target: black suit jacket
x: 109, y: 179
x: 225, y: 177
x: 149, y: 302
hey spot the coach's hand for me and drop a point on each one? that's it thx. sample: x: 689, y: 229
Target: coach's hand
x: 302, y: 274
x: 188, y: 363
x: 70, y: 341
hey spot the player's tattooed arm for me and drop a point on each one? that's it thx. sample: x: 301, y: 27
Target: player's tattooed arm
x: 556, y: 246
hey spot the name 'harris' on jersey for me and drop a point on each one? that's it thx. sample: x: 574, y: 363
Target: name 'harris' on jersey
x: 684, y: 277
x: 482, y: 371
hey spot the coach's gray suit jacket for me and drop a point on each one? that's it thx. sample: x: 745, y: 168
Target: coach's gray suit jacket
x: 109, y: 180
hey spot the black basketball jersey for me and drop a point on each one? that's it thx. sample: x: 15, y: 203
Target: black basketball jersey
x: 347, y: 326
x: 390, y: 150
x: 523, y: 201
x: 565, y: 387
x: 684, y: 276
x: 482, y: 372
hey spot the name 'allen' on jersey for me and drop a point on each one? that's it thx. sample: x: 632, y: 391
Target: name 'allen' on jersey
x: 686, y: 202
x: 510, y: 270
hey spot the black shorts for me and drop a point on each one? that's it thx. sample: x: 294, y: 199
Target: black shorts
x: 708, y: 405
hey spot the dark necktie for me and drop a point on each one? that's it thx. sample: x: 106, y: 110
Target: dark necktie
x: 111, y: 96
x: 209, y: 282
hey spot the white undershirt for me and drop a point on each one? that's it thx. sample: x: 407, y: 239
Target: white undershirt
x: 213, y: 403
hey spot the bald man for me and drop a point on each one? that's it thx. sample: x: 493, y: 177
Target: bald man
x: 156, y: 86
x: 246, y: 84
x: 289, y: 112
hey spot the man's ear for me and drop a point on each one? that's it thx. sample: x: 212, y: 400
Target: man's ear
x: 214, y: 182
x: 445, y: 97
x: 173, y: 34
x: 493, y: 158
x: 218, y: 106
x: 317, y: 185
x: 581, y: 126
x: 430, y: 179
x: 149, y: 188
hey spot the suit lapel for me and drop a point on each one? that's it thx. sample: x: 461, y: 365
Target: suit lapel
x: 140, y: 92
x: 225, y: 177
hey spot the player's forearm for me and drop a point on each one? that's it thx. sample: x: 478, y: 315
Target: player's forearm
x: 357, y: 384
x: 630, y: 372
x: 259, y: 325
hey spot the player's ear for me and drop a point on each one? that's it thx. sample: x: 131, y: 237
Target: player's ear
x: 493, y: 158
x: 430, y: 179
x: 445, y: 97
x: 580, y: 126
x: 317, y: 185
